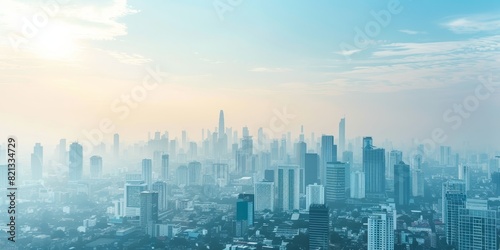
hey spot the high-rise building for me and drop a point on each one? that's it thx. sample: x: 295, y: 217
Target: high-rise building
x: 311, y: 169
x: 62, y: 151
x: 164, y: 167
x: 450, y: 186
x: 315, y: 194
x: 116, y: 145
x: 454, y: 201
x: 335, y: 182
x: 149, y: 209
x: 222, y: 139
x: 161, y: 188
x: 147, y: 172
x: 395, y: 157
x: 37, y: 162
x: 300, y: 159
x: 444, y: 155
x: 244, y: 213
x: 381, y: 231
x: 342, y: 137
x: 132, y: 197
x: 95, y: 167
x: 182, y: 175
x: 75, y: 162
x: 220, y: 173
x: 374, y: 168
x: 358, y: 185
x: 264, y: 195
x: 194, y: 173
x: 287, y: 185
x: 477, y: 229
x: 319, y: 227
x: 463, y: 174
x: 328, y: 154
x: 245, y: 208
x: 417, y: 182
x: 402, y: 185
x: 495, y: 179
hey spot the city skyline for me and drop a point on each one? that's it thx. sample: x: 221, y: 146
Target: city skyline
x: 386, y: 78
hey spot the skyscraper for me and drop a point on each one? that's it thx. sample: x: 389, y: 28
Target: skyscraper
x: 95, y: 166
x: 222, y: 139
x: 374, y: 168
x: 300, y: 159
x: 319, y: 227
x: 62, y: 151
x: 37, y: 162
x: 402, y: 185
x: 315, y: 194
x: 463, y: 174
x: 417, y: 183
x: 450, y: 186
x: 161, y: 188
x: 147, y: 172
x: 342, y: 137
x: 246, y: 208
x: 164, y: 167
x: 149, y: 209
x: 132, y: 197
x: 116, y: 145
x: 328, y: 154
x: 287, y: 184
x: 311, y: 169
x: 335, y: 182
x: 444, y: 155
x: 381, y: 231
x: 454, y: 201
x: 194, y: 173
x: 75, y: 162
x: 477, y: 229
x: 358, y: 185
x: 264, y: 195
x: 395, y: 157
x: 220, y: 172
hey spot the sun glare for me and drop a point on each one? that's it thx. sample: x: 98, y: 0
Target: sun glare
x: 55, y: 43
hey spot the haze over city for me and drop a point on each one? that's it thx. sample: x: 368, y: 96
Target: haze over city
x: 249, y: 125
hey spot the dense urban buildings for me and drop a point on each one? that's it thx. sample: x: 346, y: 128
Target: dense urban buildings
x: 237, y: 192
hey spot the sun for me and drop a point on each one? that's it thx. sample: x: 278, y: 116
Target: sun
x: 55, y: 43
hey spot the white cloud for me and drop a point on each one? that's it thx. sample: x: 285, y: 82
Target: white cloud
x: 412, y: 32
x: 474, y: 24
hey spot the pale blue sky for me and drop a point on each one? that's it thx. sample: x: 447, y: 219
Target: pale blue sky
x: 262, y: 55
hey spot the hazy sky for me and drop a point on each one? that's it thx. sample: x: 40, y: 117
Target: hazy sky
x: 64, y: 66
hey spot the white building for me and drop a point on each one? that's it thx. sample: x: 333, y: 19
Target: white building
x: 358, y: 185
x: 264, y: 195
x: 315, y: 194
x: 381, y: 231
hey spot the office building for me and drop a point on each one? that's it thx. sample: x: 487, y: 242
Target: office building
x: 328, y: 154
x: 75, y: 162
x: 311, y: 169
x: 381, y: 231
x: 402, y: 185
x: 149, y: 209
x: 147, y: 172
x: 335, y: 182
x: 319, y: 227
x: 161, y: 188
x: 374, y: 168
x: 95, y: 167
x: 164, y: 167
x: 315, y: 194
x: 358, y: 185
x: 477, y: 229
x: 287, y: 185
x: 264, y: 195
x: 37, y: 162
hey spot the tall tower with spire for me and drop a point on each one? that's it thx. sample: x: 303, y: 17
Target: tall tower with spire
x: 222, y: 138
x: 221, y: 124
